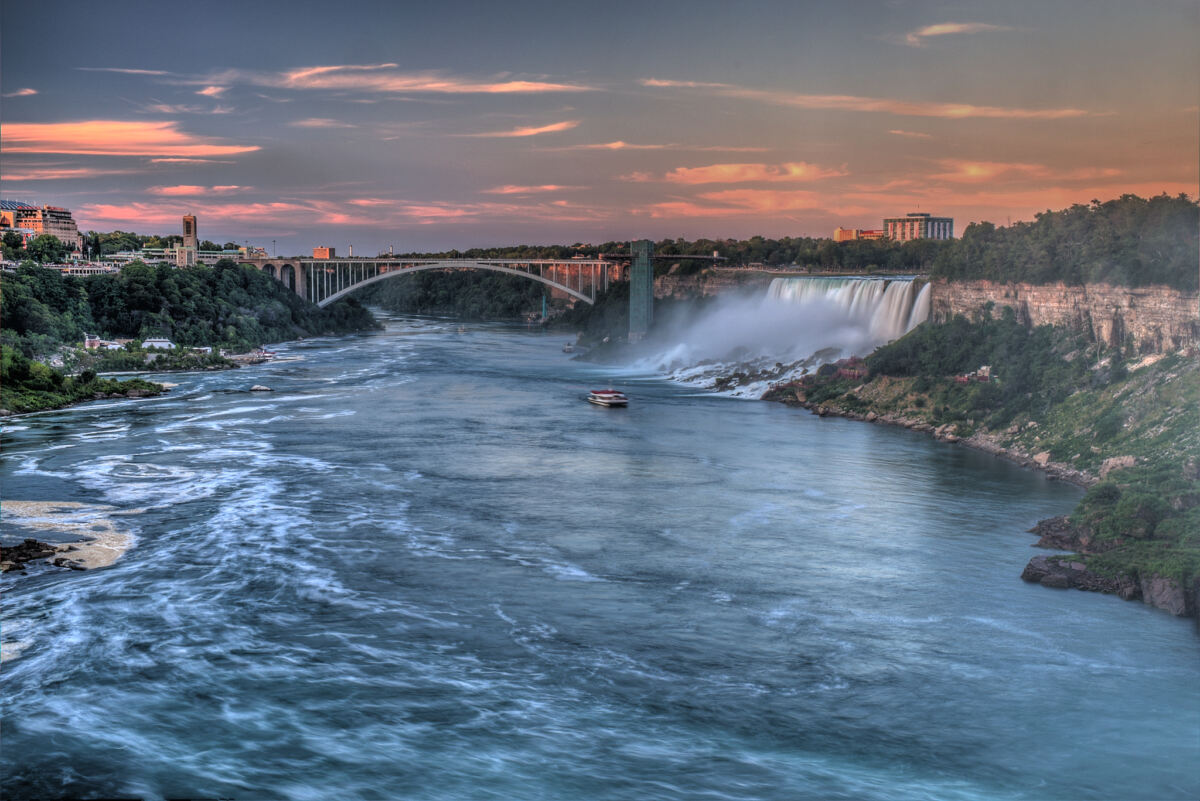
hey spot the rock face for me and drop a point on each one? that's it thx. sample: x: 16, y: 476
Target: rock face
x: 1061, y: 574
x: 712, y: 282
x: 1157, y: 318
x: 14, y: 558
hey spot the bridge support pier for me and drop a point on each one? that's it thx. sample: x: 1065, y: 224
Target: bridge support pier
x: 641, y: 288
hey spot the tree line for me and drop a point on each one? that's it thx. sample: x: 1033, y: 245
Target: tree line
x: 228, y: 305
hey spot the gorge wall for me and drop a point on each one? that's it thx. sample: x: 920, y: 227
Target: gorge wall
x: 1157, y: 318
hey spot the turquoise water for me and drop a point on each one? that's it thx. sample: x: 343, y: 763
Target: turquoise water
x: 424, y: 568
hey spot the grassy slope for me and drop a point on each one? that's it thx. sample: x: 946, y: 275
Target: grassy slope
x: 1141, y: 519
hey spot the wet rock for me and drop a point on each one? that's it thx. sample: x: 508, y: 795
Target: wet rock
x: 1059, y: 533
x: 15, y: 557
x: 260, y: 388
x: 1166, y: 594
x: 1116, y: 463
x: 1056, y: 581
x: 1042, y: 459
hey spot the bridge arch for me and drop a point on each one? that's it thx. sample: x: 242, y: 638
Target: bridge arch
x: 287, y: 275
x: 444, y: 264
x: 269, y: 269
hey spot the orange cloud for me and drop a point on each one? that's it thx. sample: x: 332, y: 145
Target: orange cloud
x: 620, y: 145
x: 183, y: 190
x: 745, y: 173
x: 885, y: 105
x: 111, y: 138
x: 513, y: 189
x: 366, y: 212
x: 387, y: 78
x: 20, y: 93
x: 529, y: 131
x: 212, y: 91
x: 912, y: 134
x: 974, y: 171
x: 61, y: 173
x: 321, y: 122
x: 740, y: 202
x: 917, y: 38
x: 189, y: 161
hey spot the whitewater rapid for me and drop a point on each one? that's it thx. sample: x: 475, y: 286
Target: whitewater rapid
x: 743, y: 344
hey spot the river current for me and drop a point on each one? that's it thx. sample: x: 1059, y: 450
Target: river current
x: 424, y: 568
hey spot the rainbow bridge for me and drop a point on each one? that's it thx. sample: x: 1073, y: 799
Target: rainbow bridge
x: 324, y: 281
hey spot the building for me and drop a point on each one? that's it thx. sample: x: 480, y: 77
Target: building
x: 851, y: 234
x: 324, y: 253
x: 918, y: 225
x: 191, y: 237
x: 37, y: 220
x: 158, y: 343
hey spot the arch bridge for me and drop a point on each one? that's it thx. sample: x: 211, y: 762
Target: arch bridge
x: 324, y: 281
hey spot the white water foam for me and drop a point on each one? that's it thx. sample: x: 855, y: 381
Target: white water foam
x: 797, y: 325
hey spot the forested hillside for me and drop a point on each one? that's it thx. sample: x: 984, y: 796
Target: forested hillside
x: 228, y: 306
x: 469, y: 294
x: 1129, y: 241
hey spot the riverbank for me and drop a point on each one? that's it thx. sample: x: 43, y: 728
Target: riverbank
x: 1128, y: 434
x: 29, y: 386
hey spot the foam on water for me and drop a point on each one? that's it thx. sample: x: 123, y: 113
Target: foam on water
x: 797, y: 325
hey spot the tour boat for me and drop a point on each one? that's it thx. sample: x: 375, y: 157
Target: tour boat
x: 607, y: 397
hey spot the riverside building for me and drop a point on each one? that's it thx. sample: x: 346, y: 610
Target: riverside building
x: 918, y: 225
x: 33, y: 221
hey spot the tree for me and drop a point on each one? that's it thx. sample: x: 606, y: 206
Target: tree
x: 14, y: 246
x: 46, y: 248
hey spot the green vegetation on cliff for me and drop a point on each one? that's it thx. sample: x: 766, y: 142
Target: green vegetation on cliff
x: 1129, y: 241
x: 228, y: 305
x: 468, y: 294
x: 29, y: 386
x: 1060, y: 400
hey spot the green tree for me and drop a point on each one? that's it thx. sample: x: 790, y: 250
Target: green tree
x: 46, y: 248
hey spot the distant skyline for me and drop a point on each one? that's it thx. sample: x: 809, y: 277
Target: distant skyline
x: 459, y: 125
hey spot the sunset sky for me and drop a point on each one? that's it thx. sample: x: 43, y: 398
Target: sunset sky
x: 453, y: 124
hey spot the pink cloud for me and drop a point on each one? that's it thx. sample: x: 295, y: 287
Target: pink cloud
x: 389, y: 78
x: 187, y: 190
x: 21, y: 93
x: 740, y: 202
x: 60, y: 173
x: 917, y: 38
x: 961, y: 171
x: 321, y: 122
x: 530, y: 131
x: 885, y: 105
x: 745, y: 173
x: 212, y: 91
x: 911, y: 134
x: 112, y: 138
x: 513, y: 189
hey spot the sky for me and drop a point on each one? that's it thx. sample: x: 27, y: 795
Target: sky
x: 429, y: 126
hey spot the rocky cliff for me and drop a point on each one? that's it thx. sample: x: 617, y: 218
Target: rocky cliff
x: 710, y: 282
x: 1157, y: 319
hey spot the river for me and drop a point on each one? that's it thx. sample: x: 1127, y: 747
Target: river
x: 423, y: 568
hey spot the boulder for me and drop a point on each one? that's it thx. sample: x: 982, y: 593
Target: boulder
x: 1042, y: 458
x: 260, y: 388
x: 1166, y: 594
x: 1116, y: 463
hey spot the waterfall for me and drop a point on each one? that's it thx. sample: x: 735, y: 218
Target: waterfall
x: 798, y: 324
x: 890, y: 308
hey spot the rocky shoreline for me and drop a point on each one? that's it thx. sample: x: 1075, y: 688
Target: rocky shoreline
x: 1063, y: 571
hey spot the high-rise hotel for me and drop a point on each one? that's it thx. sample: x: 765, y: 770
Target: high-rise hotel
x: 918, y: 225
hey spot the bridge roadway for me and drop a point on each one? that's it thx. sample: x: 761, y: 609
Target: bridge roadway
x: 324, y: 281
